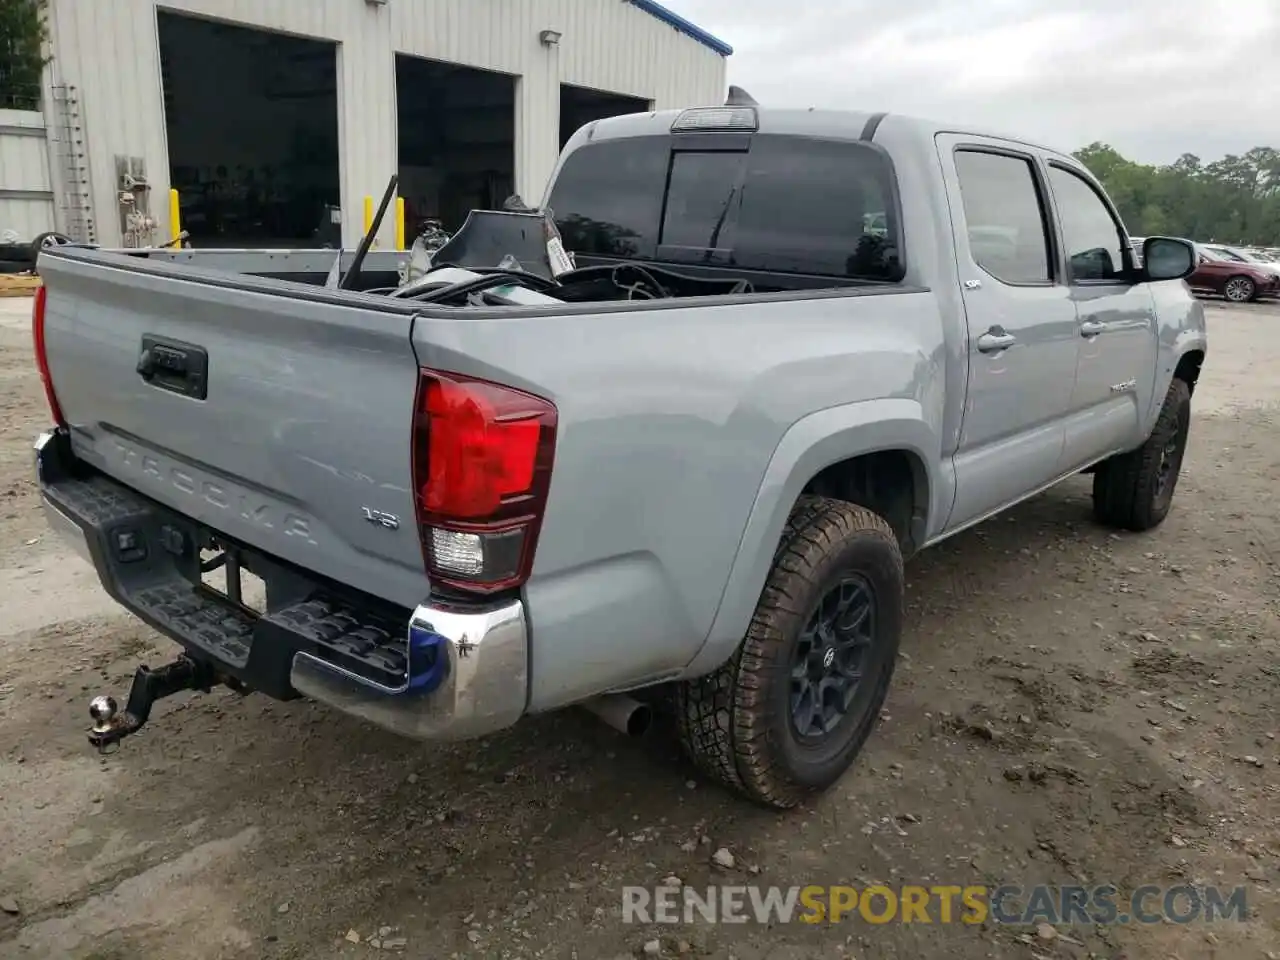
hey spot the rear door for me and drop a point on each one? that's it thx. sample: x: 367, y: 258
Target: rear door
x: 1117, y: 325
x: 1022, y: 341
x: 274, y: 414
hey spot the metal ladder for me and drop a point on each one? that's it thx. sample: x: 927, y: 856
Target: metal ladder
x: 71, y: 155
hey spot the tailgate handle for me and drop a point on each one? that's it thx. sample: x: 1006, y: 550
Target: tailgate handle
x: 175, y: 366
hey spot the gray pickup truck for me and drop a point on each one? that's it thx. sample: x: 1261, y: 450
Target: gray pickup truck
x: 795, y: 348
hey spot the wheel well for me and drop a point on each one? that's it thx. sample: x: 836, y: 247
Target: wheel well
x: 1188, y: 369
x: 893, y: 483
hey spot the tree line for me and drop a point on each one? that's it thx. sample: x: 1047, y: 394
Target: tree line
x: 22, y: 32
x: 1232, y: 200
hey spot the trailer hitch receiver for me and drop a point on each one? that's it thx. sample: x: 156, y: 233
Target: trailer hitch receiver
x: 110, y: 726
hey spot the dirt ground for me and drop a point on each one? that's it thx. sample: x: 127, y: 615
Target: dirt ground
x: 1072, y: 705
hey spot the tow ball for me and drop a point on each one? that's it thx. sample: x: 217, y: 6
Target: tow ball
x: 110, y: 726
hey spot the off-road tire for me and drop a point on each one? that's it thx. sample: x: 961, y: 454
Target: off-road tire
x: 735, y: 723
x: 1126, y: 492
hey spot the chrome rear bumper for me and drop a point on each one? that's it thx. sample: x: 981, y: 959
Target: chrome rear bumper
x: 483, y: 689
x: 465, y: 669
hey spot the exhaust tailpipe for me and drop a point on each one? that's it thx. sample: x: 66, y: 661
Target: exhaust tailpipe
x: 621, y: 712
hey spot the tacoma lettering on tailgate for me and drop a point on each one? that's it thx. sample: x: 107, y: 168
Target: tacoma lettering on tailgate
x: 215, y: 493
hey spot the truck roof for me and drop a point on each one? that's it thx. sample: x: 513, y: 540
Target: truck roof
x: 800, y: 122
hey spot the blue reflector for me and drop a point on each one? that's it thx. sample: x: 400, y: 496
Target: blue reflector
x: 428, y: 659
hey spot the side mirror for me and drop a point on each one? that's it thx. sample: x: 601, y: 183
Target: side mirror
x: 1167, y: 258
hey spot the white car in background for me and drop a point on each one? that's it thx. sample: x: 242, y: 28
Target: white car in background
x: 1135, y: 244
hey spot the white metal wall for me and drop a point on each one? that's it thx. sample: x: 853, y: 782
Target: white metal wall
x: 26, y: 198
x: 109, y: 51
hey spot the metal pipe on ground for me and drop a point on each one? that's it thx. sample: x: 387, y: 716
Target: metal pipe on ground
x: 623, y: 713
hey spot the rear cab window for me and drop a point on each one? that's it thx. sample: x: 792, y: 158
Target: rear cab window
x: 784, y: 205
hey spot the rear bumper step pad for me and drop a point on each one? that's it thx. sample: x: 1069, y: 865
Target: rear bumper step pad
x: 144, y: 557
x: 437, y: 672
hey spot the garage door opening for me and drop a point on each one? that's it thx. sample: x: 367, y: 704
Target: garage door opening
x: 456, y: 130
x: 579, y: 106
x: 252, y: 123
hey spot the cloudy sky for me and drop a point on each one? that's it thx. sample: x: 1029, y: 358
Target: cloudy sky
x: 1154, y: 78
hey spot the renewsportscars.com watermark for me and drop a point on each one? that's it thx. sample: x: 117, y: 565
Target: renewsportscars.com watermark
x: 1005, y: 904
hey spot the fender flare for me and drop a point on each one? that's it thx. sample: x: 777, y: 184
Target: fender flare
x: 810, y: 445
x: 1186, y: 341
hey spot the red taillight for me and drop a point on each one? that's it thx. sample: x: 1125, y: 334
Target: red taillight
x: 481, y: 471
x: 42, y: 356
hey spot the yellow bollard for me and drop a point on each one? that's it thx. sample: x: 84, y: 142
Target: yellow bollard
x: 399, y: 223
x: 175, y: 214
x: 368, y: 213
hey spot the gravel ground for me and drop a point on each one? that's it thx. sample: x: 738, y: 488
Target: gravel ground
x: 1073, y: 705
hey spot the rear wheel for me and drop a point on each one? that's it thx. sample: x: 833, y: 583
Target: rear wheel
x: 788, y: 713
x: 1134, y: 490
x: 1240, y: 290
x: 50, y: 239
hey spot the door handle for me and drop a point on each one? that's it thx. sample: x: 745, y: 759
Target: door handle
x: 1091, y: 328
x: 991, y: 342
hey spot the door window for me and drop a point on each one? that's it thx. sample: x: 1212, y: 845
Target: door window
x: 1093, y: 239
x: 1226, y: 254
x: 1004, y: 214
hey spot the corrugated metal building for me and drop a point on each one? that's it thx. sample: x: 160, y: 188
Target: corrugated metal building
x: 26, y: 195
x: 133, y: 90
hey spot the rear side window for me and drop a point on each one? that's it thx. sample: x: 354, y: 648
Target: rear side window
x: 785, y: 205
x: 1004, y: 216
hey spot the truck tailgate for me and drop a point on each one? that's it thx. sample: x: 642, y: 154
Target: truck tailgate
x: 299, y: 435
